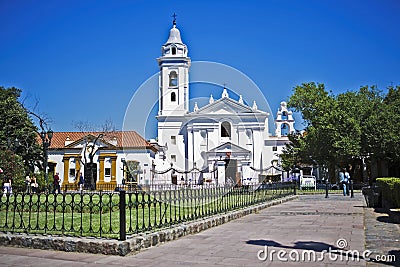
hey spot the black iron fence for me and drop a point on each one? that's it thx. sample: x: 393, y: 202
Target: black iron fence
x: 125, y: 211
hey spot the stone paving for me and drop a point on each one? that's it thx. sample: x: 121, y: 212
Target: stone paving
x: 304, y: 227
x: 382, y: 237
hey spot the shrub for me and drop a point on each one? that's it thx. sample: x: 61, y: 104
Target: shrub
x: 390, y: 190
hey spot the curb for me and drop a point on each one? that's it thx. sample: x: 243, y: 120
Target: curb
x: 134, y: 243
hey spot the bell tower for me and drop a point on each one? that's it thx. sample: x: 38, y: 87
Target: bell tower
x: 174, y: 67
x: 173, y: 100
x: 284, y: 121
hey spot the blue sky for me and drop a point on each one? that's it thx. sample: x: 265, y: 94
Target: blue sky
x: 83, y: 60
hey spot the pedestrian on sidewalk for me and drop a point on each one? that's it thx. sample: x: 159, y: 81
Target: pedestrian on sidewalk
x: 344, y: 181
x: 347, y: 179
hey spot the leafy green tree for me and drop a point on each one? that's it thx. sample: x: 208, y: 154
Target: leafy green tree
x: 12, y: 165
x: 368, y: 105
x: 295, y: 151
x: 319, y: 143
x: 18, y: 136
x: 390, y: 124
x: 346, y: 127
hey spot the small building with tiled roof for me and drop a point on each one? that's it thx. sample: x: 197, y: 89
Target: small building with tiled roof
x: 112, y: 157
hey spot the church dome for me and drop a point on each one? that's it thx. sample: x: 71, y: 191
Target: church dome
x: 174, y: 36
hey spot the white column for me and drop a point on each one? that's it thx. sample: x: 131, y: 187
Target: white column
x: 189, y: 149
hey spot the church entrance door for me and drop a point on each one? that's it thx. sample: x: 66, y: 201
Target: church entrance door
x: 230, y: 170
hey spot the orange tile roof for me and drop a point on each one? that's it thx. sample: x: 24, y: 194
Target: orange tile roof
x: 124, y: 139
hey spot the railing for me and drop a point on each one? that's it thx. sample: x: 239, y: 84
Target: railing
x: 119, y: 213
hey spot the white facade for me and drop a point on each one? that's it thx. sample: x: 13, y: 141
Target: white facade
x: 225, y: 134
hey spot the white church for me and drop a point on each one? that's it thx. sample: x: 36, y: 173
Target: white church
x: 225, y: 141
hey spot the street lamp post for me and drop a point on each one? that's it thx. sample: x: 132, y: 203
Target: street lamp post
x: 351, y: 188
x: 326, y: 187
x: 46, y: 141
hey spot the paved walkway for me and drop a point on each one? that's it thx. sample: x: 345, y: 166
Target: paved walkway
x: 382, y: 237
x: 299, y: 228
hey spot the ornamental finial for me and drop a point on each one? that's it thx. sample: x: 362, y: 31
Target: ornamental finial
x: 174, y: 21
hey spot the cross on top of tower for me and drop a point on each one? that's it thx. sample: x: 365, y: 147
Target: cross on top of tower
x: 174, y: 16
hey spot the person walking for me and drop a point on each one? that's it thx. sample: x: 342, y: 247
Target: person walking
x: 34, y: 184
x: 347, y: 180
x: 343, y: 181
x: 7, y: 186
x: 81, y: 182
x: 28, y: 184
x: 56, y: 184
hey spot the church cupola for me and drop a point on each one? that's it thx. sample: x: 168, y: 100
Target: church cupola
x: 174, y: 75
x: 174, y: 47
x: 174, y: 36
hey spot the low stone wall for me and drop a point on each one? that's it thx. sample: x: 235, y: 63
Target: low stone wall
x: 134, y: 243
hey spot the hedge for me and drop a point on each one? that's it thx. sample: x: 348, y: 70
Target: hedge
x: 390, y: 191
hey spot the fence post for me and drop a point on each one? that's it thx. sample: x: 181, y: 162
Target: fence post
x: 122, y: 215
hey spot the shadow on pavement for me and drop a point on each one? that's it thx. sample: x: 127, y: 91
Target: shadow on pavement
x: 308, y: 245
x: 384, y: 219
x: 380, y: 210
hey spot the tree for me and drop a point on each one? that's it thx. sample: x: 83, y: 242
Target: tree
x: 343, y: 128
x: 91, y: 147
x: 295, y: 152
x: 366, y: 104
x: 17, y: 134
x: 89, y: 150
x: 319, y: 143
x: 12, y: 165
x: 390, y: 125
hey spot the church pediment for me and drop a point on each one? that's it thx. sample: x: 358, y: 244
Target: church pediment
x: 88, y: 139
x: 225, y: 106
x: 229, y: 148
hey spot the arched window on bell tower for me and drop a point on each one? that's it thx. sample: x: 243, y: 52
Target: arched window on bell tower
x: 173, y: 50
x: 284, y: 129
x: 284, y: 116
x: 225, y: 129
x: 173, y: 78
x: 173, y: 97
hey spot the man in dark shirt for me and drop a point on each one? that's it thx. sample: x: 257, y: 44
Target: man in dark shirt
x: 57, y: 183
